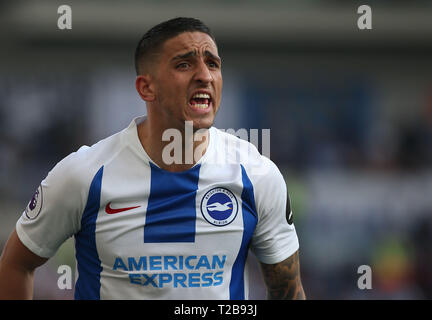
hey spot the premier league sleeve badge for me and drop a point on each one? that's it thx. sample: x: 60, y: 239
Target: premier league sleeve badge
x: 35, y: 205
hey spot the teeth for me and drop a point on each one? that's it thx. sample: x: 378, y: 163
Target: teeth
x: 200, y: 106
x: 201, y: 95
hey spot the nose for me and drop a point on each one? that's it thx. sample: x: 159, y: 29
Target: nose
x: 203, y: 74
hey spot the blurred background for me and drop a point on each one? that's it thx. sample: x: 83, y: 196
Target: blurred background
x: 350, y: 113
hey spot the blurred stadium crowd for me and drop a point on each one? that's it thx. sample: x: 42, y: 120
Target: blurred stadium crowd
x: 351, y: 130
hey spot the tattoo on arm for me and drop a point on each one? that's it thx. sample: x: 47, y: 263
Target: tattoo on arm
x: 283, y: 279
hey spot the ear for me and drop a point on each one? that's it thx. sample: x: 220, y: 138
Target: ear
x: 144, y: 88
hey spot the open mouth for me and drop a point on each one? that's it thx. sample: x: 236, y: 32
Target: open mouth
x: 200, y: 100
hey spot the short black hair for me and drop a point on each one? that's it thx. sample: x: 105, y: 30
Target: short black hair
x: 156, y: 36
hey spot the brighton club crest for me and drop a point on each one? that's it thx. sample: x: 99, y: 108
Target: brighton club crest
x: 219, y: 206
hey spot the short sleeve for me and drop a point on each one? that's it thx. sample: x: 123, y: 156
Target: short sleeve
x: 275, y: 237
x: 53, y: 213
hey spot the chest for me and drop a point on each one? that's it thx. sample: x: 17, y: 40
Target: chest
x: 148, y: 215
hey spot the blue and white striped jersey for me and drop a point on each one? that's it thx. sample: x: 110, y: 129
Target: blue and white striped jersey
x: 142, y: 232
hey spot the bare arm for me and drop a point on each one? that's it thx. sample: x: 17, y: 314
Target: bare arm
x: 17, y: 265
x: 283, y: 279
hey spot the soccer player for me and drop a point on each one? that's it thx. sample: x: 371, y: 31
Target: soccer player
x: 147, y: 227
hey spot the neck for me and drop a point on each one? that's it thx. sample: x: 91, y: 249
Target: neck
x: 173, y: 149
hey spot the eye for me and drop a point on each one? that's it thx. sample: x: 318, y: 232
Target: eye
x: 213, y: 64
x: 182, y: 65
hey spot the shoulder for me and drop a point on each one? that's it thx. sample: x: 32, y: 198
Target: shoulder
x: 267, y: 181
x: 79, y: 167
x: 234, y: 147
x: 262, y: 172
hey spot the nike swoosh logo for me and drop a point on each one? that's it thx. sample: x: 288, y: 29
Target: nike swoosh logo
x: 110, y: 210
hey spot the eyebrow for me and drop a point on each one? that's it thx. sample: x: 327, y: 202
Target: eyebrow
x: 194, y: 54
